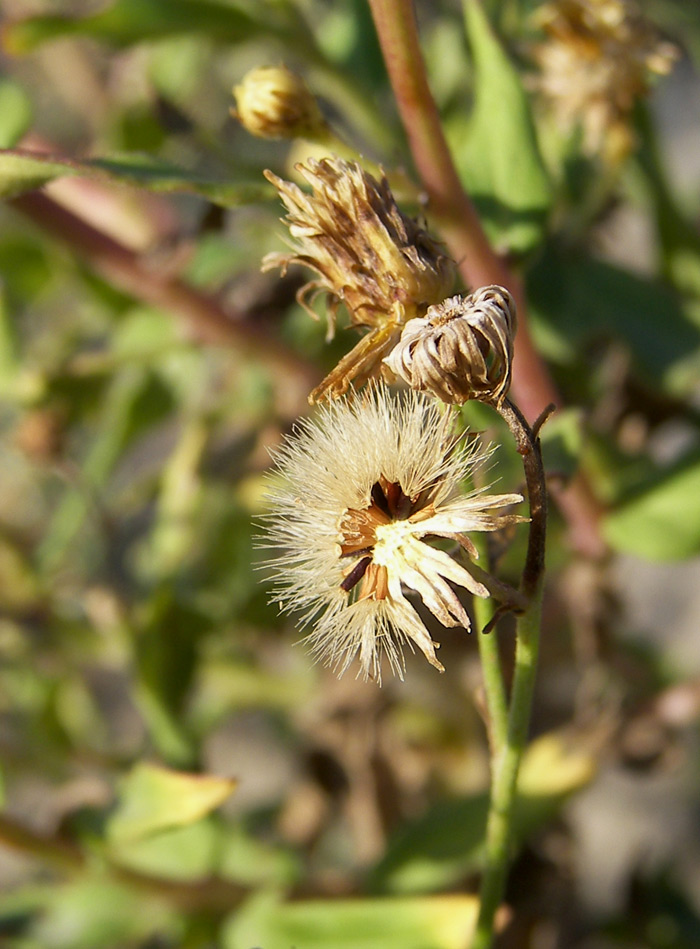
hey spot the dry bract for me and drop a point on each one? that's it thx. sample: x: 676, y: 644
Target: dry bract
x: 461, y: 349
x: 361, y: 489
x: 595, y: 63
x: 367, y: 254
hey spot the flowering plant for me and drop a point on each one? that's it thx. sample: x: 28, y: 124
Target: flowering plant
x: 486, y: 210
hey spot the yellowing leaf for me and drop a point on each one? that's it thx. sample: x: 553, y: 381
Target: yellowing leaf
x: 154, y: 798
x: 423, y: 922
x: 552, y: 767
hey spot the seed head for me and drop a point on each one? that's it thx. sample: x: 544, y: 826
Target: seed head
x: 595, y: 63
x: 274, y: 102
x: 362, y: 487
x: 461, y: 349
x: 368, y: 255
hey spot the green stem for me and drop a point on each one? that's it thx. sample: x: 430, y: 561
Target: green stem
x: 506, y: 761
x: 499, y: 826
x: 491, y: 671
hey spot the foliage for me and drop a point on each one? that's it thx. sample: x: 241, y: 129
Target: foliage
x: 175, y: 771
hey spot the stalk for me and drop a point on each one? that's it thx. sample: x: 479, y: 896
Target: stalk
x: 506, y: 759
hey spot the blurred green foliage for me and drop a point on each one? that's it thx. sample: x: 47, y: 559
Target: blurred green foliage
x: 175, y: 772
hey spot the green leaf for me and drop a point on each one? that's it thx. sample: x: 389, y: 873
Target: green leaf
x: 497, y: 152
x: 22, y: 170
x: 15, y: 112
x: 435, y: 850
x: 562, y: 442
x: 429, y: 922
x: 186, y: 854
x: 132, y: 21
x: 439, y: 848
x: 135, y: 400
x: 154, y: 799
x: 662, y: 521
x: 93, y: 913
x: 577, y: 300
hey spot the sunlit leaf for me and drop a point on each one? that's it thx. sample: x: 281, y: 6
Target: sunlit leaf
x: 497, y: 151
x: 430, y: 922
x: 662, y: 520
x: 186, y: 854
x: 16, y: 112
x: 153, y: 799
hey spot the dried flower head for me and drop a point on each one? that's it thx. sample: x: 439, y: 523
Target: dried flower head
x: 363, y: 486
x: 595, y: 63
x: 461, y: 349
x: 367, y: 254
x: 274, y: 102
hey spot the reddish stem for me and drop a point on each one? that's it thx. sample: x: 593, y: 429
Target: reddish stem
x: 205, y: 318
x: 479, y: 264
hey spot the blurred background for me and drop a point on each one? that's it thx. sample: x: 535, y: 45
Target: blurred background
x: 175, y: 771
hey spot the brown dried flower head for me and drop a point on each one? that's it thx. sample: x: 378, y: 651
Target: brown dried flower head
x: 274, y: 102
x: 596, y: 62
x: 461, y: 349
x: 368, y: 255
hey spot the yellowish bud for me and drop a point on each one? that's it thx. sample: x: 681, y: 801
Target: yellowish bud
x: 274, y: 102
x: 461, y: 349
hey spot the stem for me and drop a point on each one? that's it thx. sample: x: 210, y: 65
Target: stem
x: 50, y: 850
x: 479, y: 264
x: 506, y: 761
x: 491, y: 671
x: 499, y: 825
x: 207, y: 321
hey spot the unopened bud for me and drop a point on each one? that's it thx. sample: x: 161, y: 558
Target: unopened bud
x: 461, y: 349
x: 274, y: 102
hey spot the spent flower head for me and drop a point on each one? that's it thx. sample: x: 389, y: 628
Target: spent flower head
x: 595, y: 63
x: 367, y: 254
x: 362, y: 489
x: 461, y: 349
x: 274, y: 102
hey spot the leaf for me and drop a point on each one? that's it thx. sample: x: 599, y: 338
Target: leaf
x: 154, y: 799
x: 439, y: 848
x: 577, y: 300
x: 22, y: 170
x: 562, y: 442
x: 428, y: 922
x: 132, y: 21
x: 15, y: 112
x: 186, y: 854
x: 94, y: 913
x: 662, y: 521
x: 497, y: 152
x: 136, y: 399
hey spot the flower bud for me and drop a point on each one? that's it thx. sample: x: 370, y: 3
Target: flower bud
x: 461, y: 349
x: 274, y: 102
